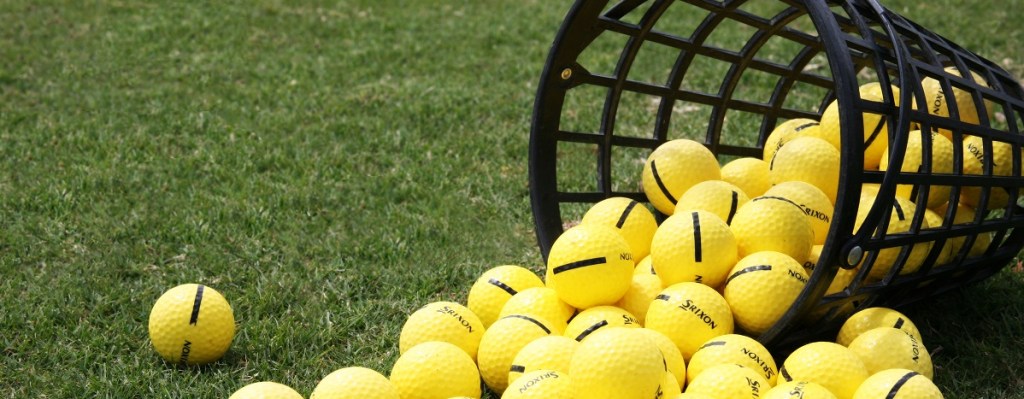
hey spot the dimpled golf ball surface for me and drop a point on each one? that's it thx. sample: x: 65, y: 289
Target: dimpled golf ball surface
x: 502, y: 342
x: 716, y: 196
x: 872, y: 318
x: 898, y: 384
x: 541, y: 384
x: 598, y: 317
x: 191, y: 324
x: 772, y: 224
x: 690, y: 314
x: 749, y: 174
x: 553, y: 352
x: 693, y: 246
x: 673, y: 168
x: 590, y: 265
x: 632, y: 219
x: 733, y: 349
x: 617, y: 363
x: 642, y: 290
x: 541, y: 302
x: 265, y: 390
x: 828, y: 364
x: 762, y: 287
x: 799, y: 390
x: 815, y: 204
x: 673, y: 357
x: 495, y: 287
x: 886, y: 348
x: 442, y: 321
x: 355, y: 383
x: 416, y: 374
x: 729, y: 381
x: 807, y: 159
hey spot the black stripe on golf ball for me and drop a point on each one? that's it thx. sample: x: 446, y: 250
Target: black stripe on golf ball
x: 625, y: 214
x: 531, y: 320
x: 710, y: 344
x: 899, y: 384
x: 497, y: 283
x: 746, y: 270
x: 661, y: 184
x: 766, y: 197
x: 517, y: 369
x: 663, y: 297
x: 580, y: 263
x: 195, y: 306
x: 899, y: 323
x: 732, y: 208
x: 696, y: 238
x: 785, y: 374
x: 573, y: 315
x: 591, y: 329
x: 805, y: 126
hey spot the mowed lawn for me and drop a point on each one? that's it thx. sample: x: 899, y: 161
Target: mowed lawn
x: 327, y: 166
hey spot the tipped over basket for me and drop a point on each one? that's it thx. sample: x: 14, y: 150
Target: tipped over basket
x: 624, y: 77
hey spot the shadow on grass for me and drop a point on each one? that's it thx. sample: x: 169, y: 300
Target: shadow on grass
x: 976, y: 337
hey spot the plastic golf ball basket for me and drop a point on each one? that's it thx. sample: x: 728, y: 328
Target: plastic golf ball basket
x: 623, y: 77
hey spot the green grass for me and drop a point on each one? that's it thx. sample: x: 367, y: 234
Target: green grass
x: 328, y: 166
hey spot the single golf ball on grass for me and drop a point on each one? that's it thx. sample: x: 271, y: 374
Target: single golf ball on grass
x: 265, y: 390
x: 191, y: 324
x: 355, y: 383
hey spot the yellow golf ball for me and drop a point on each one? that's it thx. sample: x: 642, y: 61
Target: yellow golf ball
x: 191, y: 324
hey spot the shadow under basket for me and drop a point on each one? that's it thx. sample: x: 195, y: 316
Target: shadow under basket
x: 624, y: 77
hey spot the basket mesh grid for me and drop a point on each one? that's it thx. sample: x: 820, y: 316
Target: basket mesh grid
x: 623, y: 77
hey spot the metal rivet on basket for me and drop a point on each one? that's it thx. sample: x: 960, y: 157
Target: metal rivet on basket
x: 854, y: 256
x: 566, y: 73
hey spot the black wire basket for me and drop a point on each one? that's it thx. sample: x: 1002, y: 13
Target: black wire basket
x: 623, y: 77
